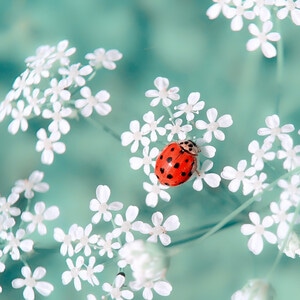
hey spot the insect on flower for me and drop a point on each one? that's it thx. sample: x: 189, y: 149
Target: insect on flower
x: 177, y: 162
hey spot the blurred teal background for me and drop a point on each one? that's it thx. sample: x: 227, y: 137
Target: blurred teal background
x: 173, y: 39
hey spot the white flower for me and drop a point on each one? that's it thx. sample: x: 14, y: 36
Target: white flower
x: 151, y: 126
x: 75, y: 74
x: 211, y: 179
x: 220, y: 5
x: 213, y: 125
x: 290, y: 154
x: 291, y: 190
x: 84, y: 240
x: 161, y: 287
x: 191, y: 107
x: 292, y: 246
x: 115, y: 291
x: 22, y: 84
x: 241, y: 10
x: 260, y: 154
x: 257, y: 231
x: 107, y: 59
x: 162, y: 92
x: 147, y: 161
x: 35, y: 101
x: 66, y: 239
x: 62, y: 53
x: 282, y: 217
x: 255, y: 184
x: 274, y: 130
x: 19, y: 115
x: 261, y: 9
x: 176, y: 128
x: 33, y: 183
x: 91, y: 269
x: 290, y: 6
x: 41, y: 214
x: 6, y: 105
x: 6, y: 206
x: 58, y: 90
x: 75, y: 273
x: 237, y: 176
x: 42, y: 55
x: 39, y: 70
x: 134, y: 136
x: 57, y: 115
x: 100, y: 205
x: 6, y: 223
x: 90, y: 102
x: 107, y: 245
x: 32, y: 281
x: 161, y: 228
x: 15, y: 242
x: 125, y: 226
x: 49, y: 145
x: 262, y: 39
x: 154, y: 190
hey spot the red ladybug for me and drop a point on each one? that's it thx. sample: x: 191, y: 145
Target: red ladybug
x: 177, y: 162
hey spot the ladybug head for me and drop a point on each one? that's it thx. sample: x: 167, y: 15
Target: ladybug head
x: 190, y: 147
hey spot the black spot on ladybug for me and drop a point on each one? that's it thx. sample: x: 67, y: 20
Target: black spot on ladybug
x: 176, y: 166
x: 162, y: 170
x: 183, y: 173
x: 161, y: 157
x: 172, y: 149
x: 186, y: 160
x: 166, y: 183
x: 157, y: 176
x: 169, y: 176
x: 169, y: 159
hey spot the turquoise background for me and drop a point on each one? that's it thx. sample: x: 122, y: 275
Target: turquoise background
x: 173, y: 39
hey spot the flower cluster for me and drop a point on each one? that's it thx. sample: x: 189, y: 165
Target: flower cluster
x: 182, y: 124
x: 262, y: 11
x: 17, y: 227
x: 277, y: 226
x: 48, y: 88
x: 143, y: 262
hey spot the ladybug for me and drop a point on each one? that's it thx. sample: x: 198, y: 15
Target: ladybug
x: 177, y: 162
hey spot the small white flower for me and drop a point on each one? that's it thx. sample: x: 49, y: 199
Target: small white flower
x: 116, y: 291
x: 147, y: 161
x: 255, y: 184
x: 48, y: 145
x: 211, y: 179
x: 260, y: 154
x: 62, y: 53
x: 237, y: 176
x: 22, y: 84
x: 35, y: 102
x: 291, y: 189
x: 107, y: 59
x: 58, y: 116
x: 41, y: 214
x: 161, y: 228
x: 15, y: 242
x: 66, y: 239
x: 262, y: 39
x: 241, y: 10
x: 75, y: 273
x: 75, y: 74
x: 220, y: 5
x: 290, y: 154
x: 33, y: 183
x: 155, y: 190
x: 58, y: 90
x: 191, y: 107
x: 32, y: 281
x: 85, y: 240
x: 176, y: 128
x: 151, y: 126
x: 6, y: 105
x: 290, y: 6
x: 107, y: 245
x: 100, y: 205
x: 6, y: 205
x: 261, y: 9
x: 162, y: 92
x: 39, y: 70
x: 42, y: 55
x: 19, y: 115
x: 91, y: 269
x: 134, y: 136
x: 125, y: 226
x: 90, y: 102
x: 292, y: 246
x: 214, y: 124
x: 274, y: 130
x: 257, y: 231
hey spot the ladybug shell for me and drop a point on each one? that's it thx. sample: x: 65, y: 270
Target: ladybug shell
x: 176, y: 163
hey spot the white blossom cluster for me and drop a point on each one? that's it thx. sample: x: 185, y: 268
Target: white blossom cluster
x: 16, y: 232
x: 48, y: 89
x: 277, y: 225
x: 139, y: 262
x: 181, y: 123
x: 257, y: 11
